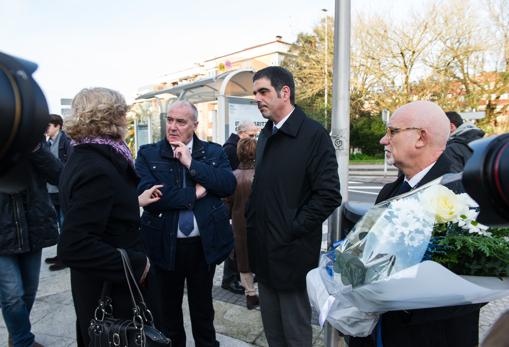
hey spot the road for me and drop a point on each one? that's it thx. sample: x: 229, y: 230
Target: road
x: 365, y: 188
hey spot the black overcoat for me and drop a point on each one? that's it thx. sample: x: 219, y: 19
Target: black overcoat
x: 296, y: 187
x: 100, y: 203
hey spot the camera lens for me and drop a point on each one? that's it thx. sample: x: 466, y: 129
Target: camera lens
x: 23, y: 110
x: 486, y: 179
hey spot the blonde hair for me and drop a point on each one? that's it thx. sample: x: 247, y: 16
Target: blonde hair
x: 98, y: 112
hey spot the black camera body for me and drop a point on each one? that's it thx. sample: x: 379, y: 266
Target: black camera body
x: 24, y: 118
x: 23, y: 109
x: 486, y: 179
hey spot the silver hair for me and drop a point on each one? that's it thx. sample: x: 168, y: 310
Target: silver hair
x: 244, y: 126
x: 185, y: 103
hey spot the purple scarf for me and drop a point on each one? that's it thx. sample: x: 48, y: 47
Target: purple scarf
x: 119, y: 146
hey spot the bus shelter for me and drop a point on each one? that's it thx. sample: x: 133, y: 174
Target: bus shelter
x: 222, y: 101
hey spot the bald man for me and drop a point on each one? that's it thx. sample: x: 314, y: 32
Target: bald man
x: 414, y: 142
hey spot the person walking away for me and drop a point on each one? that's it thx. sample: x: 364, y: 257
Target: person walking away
x: 60, y: 146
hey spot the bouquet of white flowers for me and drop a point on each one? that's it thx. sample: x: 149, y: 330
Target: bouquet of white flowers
x: 419, y: 250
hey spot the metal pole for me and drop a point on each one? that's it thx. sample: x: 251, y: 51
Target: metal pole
x: 340, y: 123
x: 325, y: 68
x: 385, y: 119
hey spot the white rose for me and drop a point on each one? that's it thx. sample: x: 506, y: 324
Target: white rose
x: 444, y: 203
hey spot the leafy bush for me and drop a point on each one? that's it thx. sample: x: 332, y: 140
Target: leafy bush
x: 365, y: 134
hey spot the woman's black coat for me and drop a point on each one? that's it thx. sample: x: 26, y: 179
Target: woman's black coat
x: 100, y: 203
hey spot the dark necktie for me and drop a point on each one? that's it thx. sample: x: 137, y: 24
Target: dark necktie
x: 186, y: 220
x: 274, y: 130
x: 404, y: 188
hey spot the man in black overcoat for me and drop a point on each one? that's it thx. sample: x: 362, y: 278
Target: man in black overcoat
x: 414, y: 142
x: 296, y: 187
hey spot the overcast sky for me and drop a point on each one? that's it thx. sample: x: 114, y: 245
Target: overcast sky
x: 127, y: 44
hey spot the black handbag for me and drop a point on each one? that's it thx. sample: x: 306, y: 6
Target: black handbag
x: 107, y: 331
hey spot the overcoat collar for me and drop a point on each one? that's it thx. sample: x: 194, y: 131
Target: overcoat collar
x: 441, y: 167
x: 120, y: 163
x: 291, y: 126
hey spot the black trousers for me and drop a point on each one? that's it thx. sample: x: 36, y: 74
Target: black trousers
x: 230, y: 272
x: 190, y: 268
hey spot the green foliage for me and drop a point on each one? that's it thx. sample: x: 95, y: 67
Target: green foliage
x: 366, y: 157
x: 471, y: 254
x: 365, y: 134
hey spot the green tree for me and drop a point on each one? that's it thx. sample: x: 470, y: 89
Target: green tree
x: 365, y: 134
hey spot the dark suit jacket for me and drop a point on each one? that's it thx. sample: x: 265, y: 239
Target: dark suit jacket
x: 453, y: 326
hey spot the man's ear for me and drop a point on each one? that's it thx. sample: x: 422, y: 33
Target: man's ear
x: 423, y: 139
x: 285, y: 93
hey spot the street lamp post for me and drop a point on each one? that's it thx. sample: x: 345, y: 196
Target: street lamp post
x: 326, y: 87
x: 340, y: 125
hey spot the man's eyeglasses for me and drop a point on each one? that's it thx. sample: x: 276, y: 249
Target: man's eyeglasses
x: 393, y: 131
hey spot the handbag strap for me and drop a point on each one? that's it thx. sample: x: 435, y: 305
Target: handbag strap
x: 138, y: 301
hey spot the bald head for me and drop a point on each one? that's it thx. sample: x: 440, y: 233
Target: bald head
x: 417, y: 136
x: 428, y: 116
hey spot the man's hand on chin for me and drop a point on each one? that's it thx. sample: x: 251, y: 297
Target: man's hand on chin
x: 182, y: 153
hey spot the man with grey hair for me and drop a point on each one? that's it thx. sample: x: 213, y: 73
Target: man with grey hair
x: 415, y: 141
x: 187, y: 232
x: 246, y: 128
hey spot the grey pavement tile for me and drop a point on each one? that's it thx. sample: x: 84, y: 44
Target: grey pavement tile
x: 237, y: 321
x: 48, y: 340
x: 59, y: 320
x: 53, y: 317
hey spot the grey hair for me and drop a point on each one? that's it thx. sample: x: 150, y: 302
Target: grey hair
x: 187, y: 104
x: 244, y: 126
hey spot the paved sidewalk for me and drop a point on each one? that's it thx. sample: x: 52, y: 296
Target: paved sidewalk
x: 53, y: 316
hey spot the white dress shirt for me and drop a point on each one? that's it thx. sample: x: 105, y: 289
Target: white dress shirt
x: 419, y: 176
x: 282, y: 121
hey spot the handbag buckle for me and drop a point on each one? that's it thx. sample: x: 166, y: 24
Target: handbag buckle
x: 116, y: 339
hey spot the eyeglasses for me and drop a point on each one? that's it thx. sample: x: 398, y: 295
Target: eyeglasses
x: 393, y: 131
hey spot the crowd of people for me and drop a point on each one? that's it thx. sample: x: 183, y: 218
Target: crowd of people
x: 257, y: 204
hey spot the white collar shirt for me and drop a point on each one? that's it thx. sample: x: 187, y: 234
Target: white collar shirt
x: 419, y: 176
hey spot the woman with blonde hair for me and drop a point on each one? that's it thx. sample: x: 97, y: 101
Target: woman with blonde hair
x: 101, y: 207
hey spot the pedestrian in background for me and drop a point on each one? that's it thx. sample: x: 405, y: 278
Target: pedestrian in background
x: 100, y: 204
x: 246, y: 151
x: 296, y: 187
x: 462, y: 134
x: 60, y: 146
x: 231, y: 277
x: 28, y: 224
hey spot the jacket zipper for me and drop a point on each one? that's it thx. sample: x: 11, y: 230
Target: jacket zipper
x: 16, y: 219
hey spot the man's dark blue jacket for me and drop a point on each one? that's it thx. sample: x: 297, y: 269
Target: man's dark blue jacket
x: 159, y: 223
